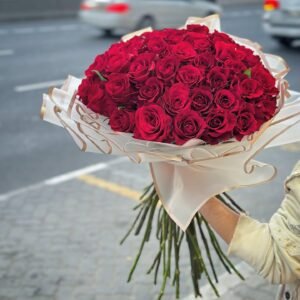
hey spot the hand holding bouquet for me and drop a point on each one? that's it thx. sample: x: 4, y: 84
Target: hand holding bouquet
x: 198, y: 105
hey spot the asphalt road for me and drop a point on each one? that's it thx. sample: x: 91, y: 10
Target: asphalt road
x: 47, y: 51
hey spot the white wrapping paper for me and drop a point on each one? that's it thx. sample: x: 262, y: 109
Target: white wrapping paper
x: 185, y: 176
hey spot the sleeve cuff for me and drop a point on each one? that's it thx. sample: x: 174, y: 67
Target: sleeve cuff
x: 234, y: 243
x: 248, y: 232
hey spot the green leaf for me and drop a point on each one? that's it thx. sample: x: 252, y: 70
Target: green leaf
x: 100, y: 75
x: 248, y: 72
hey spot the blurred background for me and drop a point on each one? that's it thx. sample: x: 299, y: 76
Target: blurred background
x: 62, y: 212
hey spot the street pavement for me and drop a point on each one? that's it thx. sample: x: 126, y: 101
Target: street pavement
x: 59, y: 239
x: 60, y: 229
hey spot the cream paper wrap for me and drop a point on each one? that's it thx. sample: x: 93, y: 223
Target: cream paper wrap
x: 185, y: 176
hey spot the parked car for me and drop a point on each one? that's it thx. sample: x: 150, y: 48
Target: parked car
x: 130, y: 15
x: 282, y: 20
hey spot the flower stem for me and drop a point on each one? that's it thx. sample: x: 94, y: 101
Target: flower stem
x: 152, y: 204
x: 195, y: 244
x: 170, y: 238
x: 199, y: 221
x: 223, y: 255
x: 233, y: 202
x: 133, y: 225
x: 176, y: 279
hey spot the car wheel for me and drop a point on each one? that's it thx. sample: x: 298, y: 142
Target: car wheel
x: 107, y: 32
x: 284, y: 41
x: 146, y: 21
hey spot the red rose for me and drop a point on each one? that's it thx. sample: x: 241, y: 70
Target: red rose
x: 241, y: 54
x: 184, y: 51
x: 217, y: 78
x: 90, y: 90
x: 248, y: 57
x: 172, y: 36
x: 225, y: 51
x: 92, y: 93
x: 205, y: 60
x: 250, y: 88
x: 118, y: 86
x: 220, y: 124
x: 190, y: 75
x: 157, y: 45
x: 188, y: 125
x: 83, y: 89
x: 198, y: 28
x: 176, y: 99
x: 221, y: 36
x: 135, y: 46
x: 200, y: 42
x: 122, y: 120
x: 265, y: 78
x: 105, y: 107
x: 141, y: 67
x: 151, y: 90
x: 202, y: 99
x: 117, y: 47
x: 235, y: 80
x: 98, y: 64
x: 251, y: 60
x: 265, y: 108
x: 166, y: 68
x: 245, y: 122
x: 117, y: 62
x: 96, y: 99
x: 96, y: 92
x: 152, y: 123
x: 224, y: 99
x: 234, y: 65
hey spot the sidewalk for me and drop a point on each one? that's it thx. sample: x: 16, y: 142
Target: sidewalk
x: 59, y: 240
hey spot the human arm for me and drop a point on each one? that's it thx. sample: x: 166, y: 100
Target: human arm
x: 273, y: 248
x: 222, y: 219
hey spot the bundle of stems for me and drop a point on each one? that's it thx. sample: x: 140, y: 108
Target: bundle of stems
x: 170, y: 238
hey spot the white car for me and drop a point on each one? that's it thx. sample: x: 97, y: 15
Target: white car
x: 130, y: 15
x: 282, y: 20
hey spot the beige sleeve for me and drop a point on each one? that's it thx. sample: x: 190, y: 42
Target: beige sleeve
x: 273, y: 248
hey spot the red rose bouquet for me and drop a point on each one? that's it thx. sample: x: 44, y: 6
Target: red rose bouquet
x: 198, y: 105
x: 173, y: 85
